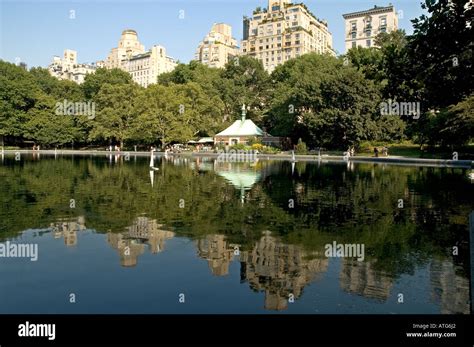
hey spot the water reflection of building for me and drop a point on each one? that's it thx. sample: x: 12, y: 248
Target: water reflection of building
x: 279, y: 270
x: 362, y: 278
x: 68, y: 229
x: 448, y: 288
x: 131, y: 243
x: 217, y: 252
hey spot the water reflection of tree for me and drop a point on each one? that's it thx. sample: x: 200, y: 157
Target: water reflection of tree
x: 331, y: 204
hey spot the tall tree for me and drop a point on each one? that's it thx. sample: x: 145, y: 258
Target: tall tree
x: 93, y: 82
x: 441, y: 49
x: 115, y: 113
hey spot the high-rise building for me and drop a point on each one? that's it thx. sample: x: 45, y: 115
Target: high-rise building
x: 67, y: 68
x: 143, y: 66
x: 283, y: 31
x: 128, y: 45
x: 362, y: 27
x: 218, y: 47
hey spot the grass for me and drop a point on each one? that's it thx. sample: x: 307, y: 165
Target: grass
x: 410, y: 150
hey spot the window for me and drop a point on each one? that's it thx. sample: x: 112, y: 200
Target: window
x: 353, y: 44
x: 354, y: 26
x: 367, y: 43
x: 354, y: 34
x: 368, y: 33
x: 383, y: 21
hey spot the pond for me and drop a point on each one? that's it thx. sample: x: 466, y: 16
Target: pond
x: 203, y: 236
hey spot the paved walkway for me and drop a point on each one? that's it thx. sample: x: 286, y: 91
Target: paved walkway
x: 308, y: 158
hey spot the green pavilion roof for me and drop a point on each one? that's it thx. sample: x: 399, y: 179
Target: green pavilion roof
x: 242, y: 128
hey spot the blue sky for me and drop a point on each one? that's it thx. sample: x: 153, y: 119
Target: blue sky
x: 35, y: 31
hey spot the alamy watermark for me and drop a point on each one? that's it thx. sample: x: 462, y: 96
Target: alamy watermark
x: 389, y: 108
x: 345, y: 250
x: 81, y: 108
x: 19, y: 250
x: 237, y: 156
x: 28, y: 329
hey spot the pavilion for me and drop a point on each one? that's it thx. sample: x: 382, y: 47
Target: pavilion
x: 241, y: 131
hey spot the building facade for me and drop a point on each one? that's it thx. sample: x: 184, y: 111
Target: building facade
x: 128, y: 45
x: 67, y: 68
x: 362, y: 27
x: 284, y: 31
x: 218, y: 47
x: 143, y: 66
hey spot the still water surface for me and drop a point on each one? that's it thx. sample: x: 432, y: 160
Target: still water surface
x: 232, y: 237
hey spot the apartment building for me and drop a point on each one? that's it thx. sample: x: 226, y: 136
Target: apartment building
x: 362, y: 27
x: 67, y: 67
x: 283, y: 31
x: 145, y: 67
x: 218, y: 47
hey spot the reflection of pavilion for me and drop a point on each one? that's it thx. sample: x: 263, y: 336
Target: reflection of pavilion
x: 279, y: 269
x: 217, y: 252
x: 241, y: 176
x: 68, y: 229
x: 131, y: 243
x: 363, y: 279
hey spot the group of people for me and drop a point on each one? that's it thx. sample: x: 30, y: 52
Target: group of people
x: 36, y: 147
x: 384, y: 151
x: 114, y: 148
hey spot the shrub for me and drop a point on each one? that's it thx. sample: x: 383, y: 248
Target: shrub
x: 301, y: 148
x: 258, y: 147
x: 239, y: 147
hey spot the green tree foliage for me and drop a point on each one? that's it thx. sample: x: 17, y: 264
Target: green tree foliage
x: 453, y: 126
x: 18, y: 94
x: 441, y: 51
x: 94, y: 82
x: 327, y: 104
x: 245, y: 81
x: 115, y: 113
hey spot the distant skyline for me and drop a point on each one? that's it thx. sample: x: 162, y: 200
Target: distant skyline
x: 35, y: 31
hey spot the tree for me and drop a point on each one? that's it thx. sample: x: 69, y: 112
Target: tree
x: 94, y: 82
x: 174, y: 113
x: 115, y: 113
x: 368, y: 61
x: 18, y: 94
x: 245, y: 81
x: 453, y: 126
x: 441, y: 50
x: 324, y: 102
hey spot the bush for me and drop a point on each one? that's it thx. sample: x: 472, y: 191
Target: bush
x: 258, y: 147
x: 301, y: 148
x: 253, y: 141
x: 239, y: 147
x: 270, y: 150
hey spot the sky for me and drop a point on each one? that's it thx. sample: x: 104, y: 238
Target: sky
x: 35, y: 31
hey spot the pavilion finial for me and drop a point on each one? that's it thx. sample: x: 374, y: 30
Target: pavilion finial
x: 244, y: 111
